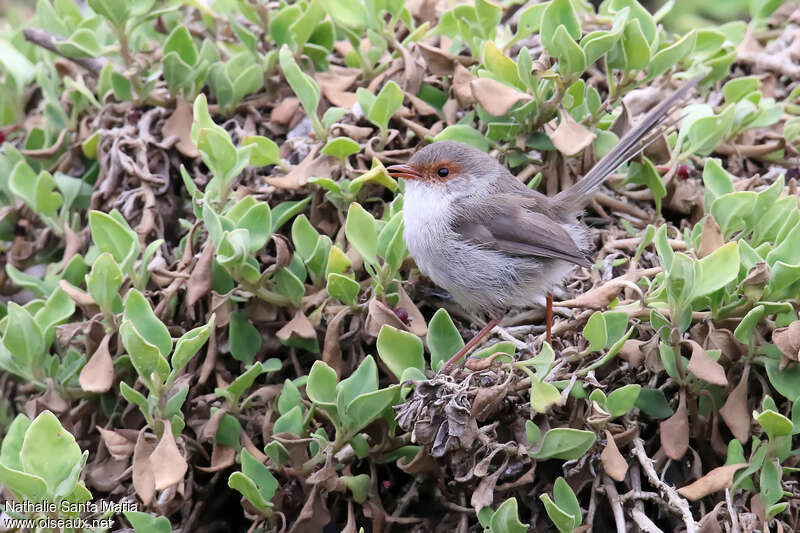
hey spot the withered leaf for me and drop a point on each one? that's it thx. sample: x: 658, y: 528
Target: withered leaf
x: 497, y: 98
x: 674, y: 431
x: 312, y: 165
x: 283, y: 113
x: 98, y: 373
x: 702, y: 366
x: 710, y: 522
x: 416, y: 322
x: 199, y: 284
x: 614, y: 463
x: 179, y: 124
x: 462, y: 90
x: 569, y: 137
x: 735, y: 412
x: 440, y: 62
x: 167, y: 461
x: 299, y: 327
x: 378, y: 315
x: 314, y: 516
x: 117, y: 444
x: 718, y: 479
x: 483, y: 495
x: 143, y: 478
x: 787, y: 340
x: 221, y: 458
x: 631, y: 352
x: 711, y: 238
x: 331, y: 351
x: 487, y: 401
x: 335, y: 85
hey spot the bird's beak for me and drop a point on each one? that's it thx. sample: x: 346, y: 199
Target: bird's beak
x: 404, y: 171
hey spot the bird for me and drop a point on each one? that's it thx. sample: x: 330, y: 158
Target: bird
x: 493, y: 243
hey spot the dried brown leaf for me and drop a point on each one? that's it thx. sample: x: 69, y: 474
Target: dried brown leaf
x: 199, y: 284
x: 416, y: 322
x: 336, y: 83
x: 705, y: 368
x: 298, y: 176
x: 674, y: 431
x: 497, y: 98
x: 569, y: 137
x: 179, y: 124
x: 462, y: 90
x: 167, y: 461
x: 283, y: 113
x: 710, y: 522
x: 299, y: 327
x: 711, y: 238
x: 117, y: 444
x: 440, y: 62
x: 221, y: 458
x: 735, y: 412
x: 487, y: 401
x: 314, y: 515
x: 378, y: 315
x: 331, y: 351
x: 614, y: 463
x: 631, y: 352
x: 98, y: 373
x: 787, y: 340
x: 143, y: 477
x: 718, y: 479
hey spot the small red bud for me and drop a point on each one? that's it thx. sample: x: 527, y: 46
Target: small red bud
x: 684, y: 171
x: 386, y: 485
x: 2, y: 136
x: 402, y: 314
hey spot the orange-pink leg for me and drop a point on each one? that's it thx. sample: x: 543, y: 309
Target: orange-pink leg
x: 471, y: 344
x: 549, y: 318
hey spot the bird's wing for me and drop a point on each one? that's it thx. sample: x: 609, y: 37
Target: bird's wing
x: 521, y: 232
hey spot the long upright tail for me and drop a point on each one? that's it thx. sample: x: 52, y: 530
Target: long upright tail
x: 627, y: 148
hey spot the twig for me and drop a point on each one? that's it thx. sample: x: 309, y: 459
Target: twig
x: 676, y: 501
x: 45, y: 40
x: 732, y: 512
x: 623, y: 207
x: 615, y: 502
x: 644, y: 523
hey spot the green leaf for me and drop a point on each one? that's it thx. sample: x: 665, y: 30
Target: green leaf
x: 134, y: 397
x: 147, y: 523
x: 564, y: 443
x: 400, y: 350
x: 571, y: 59
x: 341, y: 147
x: 361, y: 231
x: 654, y: 403
x: 368, y: 406
x: 563, y: 521
x: 566, y: 500
x: 290, y: 422
x: 386, y: 104
x: 140, y: 314
x: 506, y: 519
x: 634, y: 43
x: 247, y: 488
x: 343, y: 288
x: 189, y: 344
x: 50, y: 452
x: 443, y: 338
x: 104, y: 282
x: 774, y: 424
x: 359, y: 485
x: 303, y: 86
x: 559, y: 13
x: 265, y: 151
x: 543, y: 396
x: 24, y: 339
x: 716, y: 270
x: 37, y: 191
x: 363, y: 380
x: 595, y: 331
x: 304, y: 237
x: 115, y: 12
x: 770, y: 482
x: 321, y: 385
x: 464, y: 134
x: 144, y: 356
x: 114, y: 237
x: 622, y: 400
x: 245, y: 340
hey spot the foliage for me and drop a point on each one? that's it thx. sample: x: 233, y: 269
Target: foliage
x: 205, y: 276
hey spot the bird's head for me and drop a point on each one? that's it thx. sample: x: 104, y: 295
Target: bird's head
x: 450, y: 167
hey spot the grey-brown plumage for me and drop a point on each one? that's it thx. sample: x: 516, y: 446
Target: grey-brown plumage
x: 489, y: 240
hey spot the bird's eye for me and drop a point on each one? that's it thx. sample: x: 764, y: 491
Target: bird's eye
x: 443, y: 172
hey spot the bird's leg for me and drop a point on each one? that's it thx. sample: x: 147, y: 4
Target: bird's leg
x: 471, y: 344
x: 549, y: 318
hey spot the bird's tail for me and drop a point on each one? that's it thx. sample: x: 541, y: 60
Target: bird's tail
x: 627, y: 148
